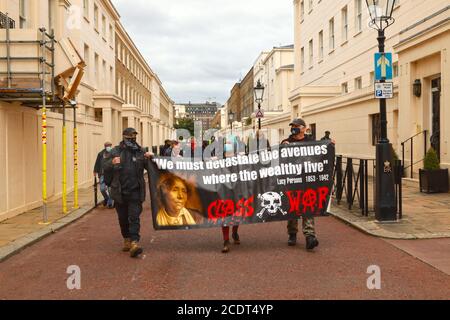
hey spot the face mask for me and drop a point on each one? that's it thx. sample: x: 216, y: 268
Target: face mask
x: 131, y: 143
x: 295, y: 131
x: 108, y: 149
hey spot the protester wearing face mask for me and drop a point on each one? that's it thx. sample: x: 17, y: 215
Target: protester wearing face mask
x: 126, y: 164
x: 98, y: 171
x: 298, y: 135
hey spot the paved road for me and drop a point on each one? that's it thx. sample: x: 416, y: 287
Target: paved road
x: 189, y: 265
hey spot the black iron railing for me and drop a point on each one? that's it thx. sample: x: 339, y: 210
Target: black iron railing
x: 5, y: 20
x: 352, y: 179
x: 410, y: 142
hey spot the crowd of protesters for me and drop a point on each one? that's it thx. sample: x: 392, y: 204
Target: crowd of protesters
x: 121, y: 170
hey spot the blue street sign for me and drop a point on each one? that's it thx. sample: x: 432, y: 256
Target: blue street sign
x: 383, y: 66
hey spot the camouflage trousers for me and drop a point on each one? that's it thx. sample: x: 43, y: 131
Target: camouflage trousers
x: 308, y: 227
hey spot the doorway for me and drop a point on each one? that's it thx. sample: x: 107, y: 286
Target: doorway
x: 436, y: 115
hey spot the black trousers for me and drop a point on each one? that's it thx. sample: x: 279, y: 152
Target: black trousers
x: 129, y: 213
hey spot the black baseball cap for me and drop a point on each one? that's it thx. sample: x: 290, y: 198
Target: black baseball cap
x: 298, y: 122
x: 129, y: 132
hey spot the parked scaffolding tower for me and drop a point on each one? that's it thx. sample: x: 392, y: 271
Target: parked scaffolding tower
x: 37, y: 87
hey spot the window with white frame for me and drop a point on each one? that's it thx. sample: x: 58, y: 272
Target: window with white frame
x: 358, y: 83
x: 332, y: 36
x: 302, y: 10
x: 104, y: 26
x: 321, y: 45
x: 86, y: 8
x: 86, y: 60
x: 344, y: 88
x: 23, y: 11
x: 358, y: 15
x: 344, y: 14
x: 311, y: 52
x: 302, y: 61
x: 96, y: 26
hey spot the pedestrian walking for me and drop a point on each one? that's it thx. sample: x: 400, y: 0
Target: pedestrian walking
x: 167, y: 145
x: 126, y: 165
x: 327, y: 136
x: 104, y: 181
x: 230, y: 150
x: 298, y: 135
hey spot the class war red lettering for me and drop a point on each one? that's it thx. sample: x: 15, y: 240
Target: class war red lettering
x: 310, y: 200
x: 224, y: 208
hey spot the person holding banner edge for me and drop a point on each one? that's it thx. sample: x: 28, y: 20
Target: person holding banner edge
x: 298, y: 135
x: 126, y: 164
x: 231, y: 148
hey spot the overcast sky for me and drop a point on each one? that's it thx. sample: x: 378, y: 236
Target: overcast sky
x: 200, y: 48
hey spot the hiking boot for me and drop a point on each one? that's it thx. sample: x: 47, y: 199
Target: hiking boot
x: 135, y: 249
x: 292, y: 240
x: 236, y: 239
x: 126, y: 245
x: 226, y: 247
x: 311, y: 243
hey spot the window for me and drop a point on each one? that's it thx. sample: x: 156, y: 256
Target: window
x: 331, y: 28
x: 321, y: 45
x: 358, y: 83
x: 111, y: 35
x: 358, y: 15
x: 23, y: 10
x: 302, y: 56
x: 344, y: 87
x: 104, y: 26
x: 313, y: 131
x: 344, y: 14
x: 372, y: 78
x: 376, y: 128
x: 311, y: 5
x: 86, y: 8
x: 111, y: 76
x: 86, y: 59
x: 96, y: 70
x: 396, y: 70
x: 96, y: 17
x: 302, y: 10
x: 311, y: 53
x: 104, y: 86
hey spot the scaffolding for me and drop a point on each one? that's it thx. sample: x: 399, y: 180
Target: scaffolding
x: 35, y: 85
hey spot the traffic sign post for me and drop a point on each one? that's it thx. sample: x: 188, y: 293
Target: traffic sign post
x: 259, y: 114
x: 384, y: 90
x: 383, y: 66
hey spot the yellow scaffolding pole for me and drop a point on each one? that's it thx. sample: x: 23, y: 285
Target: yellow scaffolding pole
x: 44, y: 130
x: 44, y: 161
x: 75, y: 157
x: 64, y: 162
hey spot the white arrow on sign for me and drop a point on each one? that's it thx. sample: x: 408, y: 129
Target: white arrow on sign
x: 383, y: 62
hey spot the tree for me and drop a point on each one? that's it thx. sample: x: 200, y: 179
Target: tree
x: 187, y: 124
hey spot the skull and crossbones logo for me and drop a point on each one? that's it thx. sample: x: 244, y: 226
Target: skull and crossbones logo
x: 271, y: 203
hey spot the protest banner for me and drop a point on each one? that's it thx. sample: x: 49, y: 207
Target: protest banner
x: 288, y: 182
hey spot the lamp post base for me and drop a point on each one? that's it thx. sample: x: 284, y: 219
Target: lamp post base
x: 385, y: 202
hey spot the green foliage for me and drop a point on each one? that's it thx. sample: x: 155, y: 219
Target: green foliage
x: 186, y: 123
x: 431, y: 161
x: 248, y: 122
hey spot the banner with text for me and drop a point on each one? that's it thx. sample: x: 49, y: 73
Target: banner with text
x: 288, y: 182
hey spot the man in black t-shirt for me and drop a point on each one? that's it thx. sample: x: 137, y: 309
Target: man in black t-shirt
x: 298, y: 130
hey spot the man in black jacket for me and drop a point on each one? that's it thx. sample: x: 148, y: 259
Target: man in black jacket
x: 98, y: 171
x: 126, y: 164
x: 298, y: 135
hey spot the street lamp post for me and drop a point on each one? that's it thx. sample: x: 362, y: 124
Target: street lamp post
x: 231, y: 118
x: 259, y: 96
x: 385, y: 208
